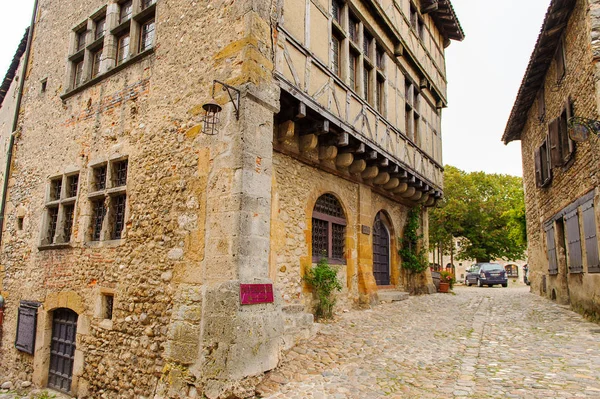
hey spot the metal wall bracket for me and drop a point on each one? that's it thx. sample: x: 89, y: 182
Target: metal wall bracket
x: 232, y: 92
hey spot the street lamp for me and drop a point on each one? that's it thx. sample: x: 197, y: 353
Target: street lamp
x: 212, y: 108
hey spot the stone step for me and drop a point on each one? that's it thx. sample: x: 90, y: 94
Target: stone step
x: 392, y: 296
x: 293, y: 308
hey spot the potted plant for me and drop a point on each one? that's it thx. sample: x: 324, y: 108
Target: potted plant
x: 446, y: 281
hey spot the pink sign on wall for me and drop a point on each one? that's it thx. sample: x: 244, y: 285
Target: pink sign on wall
x: 256, y: 293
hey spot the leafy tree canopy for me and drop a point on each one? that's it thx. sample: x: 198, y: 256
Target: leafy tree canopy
x: 486, y: 212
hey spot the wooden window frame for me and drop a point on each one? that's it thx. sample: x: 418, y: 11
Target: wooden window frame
x: 561, y: 62
x: 543, y: 169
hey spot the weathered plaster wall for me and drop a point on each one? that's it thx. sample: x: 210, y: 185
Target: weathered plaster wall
x: 570, y: 182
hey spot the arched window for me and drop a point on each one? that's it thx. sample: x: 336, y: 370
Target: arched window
x: 328, y: 230
x: 512, y: 270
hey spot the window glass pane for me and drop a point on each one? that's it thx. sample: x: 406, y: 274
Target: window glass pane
x: 100, y: 177
x: 147, y: 3
x: 80, y: 41
x: 367, y: 44
x: 96, y: 59
x: 338, y: 240
x: 352, y: 65
x: 52, y: 219
x: 336, y: 10
x: 147, y: 35
x: 123, y: 49
x: 125, y: 12
x: 353, y: 27
x: 68, y: 226
x: 336, y: 55
x: 100, y: 28
x: 98, y: 217
x: 320, y: 238
x: 55, y: 189
x: 72, y: 182
x: 118, y: 204
x: 78, y: 73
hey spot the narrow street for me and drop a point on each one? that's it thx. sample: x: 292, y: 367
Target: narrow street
x: 476, y: 343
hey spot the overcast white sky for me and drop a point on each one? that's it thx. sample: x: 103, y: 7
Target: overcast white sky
x: 484, y: 75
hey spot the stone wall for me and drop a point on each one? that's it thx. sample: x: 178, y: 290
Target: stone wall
x: 296, y: 188
x: 572, y: 181
x: 185, y: 191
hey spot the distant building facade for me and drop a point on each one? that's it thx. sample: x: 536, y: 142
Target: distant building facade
x: 142, y: 258
x: 561, y: 175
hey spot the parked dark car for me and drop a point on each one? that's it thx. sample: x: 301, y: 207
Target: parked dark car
x: 471, y: 275
x: 488, y: 274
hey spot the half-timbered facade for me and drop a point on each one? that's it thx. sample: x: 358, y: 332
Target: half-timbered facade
x: 560, y: 175
x: 178, y: 165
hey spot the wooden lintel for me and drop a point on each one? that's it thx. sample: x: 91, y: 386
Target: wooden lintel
x: 343, y: 139
x: 301, y: 111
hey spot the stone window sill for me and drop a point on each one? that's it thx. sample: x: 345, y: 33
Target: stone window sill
x: 105, y: 243
x: 106, y: 74
x: 45, y: 247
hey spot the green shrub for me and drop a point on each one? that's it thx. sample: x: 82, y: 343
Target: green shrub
x: 414, y: 258
x: 323, y: 279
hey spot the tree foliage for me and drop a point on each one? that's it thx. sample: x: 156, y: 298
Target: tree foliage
x: 486, y: 212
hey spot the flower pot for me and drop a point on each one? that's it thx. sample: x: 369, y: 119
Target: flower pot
x: 444, y: 287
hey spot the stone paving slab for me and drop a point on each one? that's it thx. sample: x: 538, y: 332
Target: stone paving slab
x: 476, y: 343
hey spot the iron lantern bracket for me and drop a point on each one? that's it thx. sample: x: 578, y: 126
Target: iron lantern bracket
x: 232, y: 92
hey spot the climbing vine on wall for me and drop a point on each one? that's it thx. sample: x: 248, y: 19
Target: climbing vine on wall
x: 412, y: 252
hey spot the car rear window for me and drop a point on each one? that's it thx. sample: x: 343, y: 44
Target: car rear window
x: 491, y: 266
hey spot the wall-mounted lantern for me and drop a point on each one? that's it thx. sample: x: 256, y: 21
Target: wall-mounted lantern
x: 212, y: 109
x: 581, y: 128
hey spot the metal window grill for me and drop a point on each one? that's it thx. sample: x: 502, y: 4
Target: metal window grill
x: 329, y: 205
x: 52, y: 219
x: 99, y: 212
x: 100, y: 177
x: 119, y: 222
x: 120, y: 173
x: 72, y: 183
x: 55, y: 189
x: 336, y: 11
x: 68, y: 226
x: 338, y: 237
x: 320, y: 238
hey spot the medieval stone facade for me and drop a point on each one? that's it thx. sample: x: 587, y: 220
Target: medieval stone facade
x: 561, y: 175
x: 131, y: 238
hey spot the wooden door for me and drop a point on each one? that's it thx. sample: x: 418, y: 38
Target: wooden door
x: 381, y: 252
x: 62, y: 349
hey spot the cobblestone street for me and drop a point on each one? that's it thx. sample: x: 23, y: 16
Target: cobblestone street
x: 478, y: 343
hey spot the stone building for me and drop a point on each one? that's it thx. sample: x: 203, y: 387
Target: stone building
x: 557, y: 100
x: 144, y: 258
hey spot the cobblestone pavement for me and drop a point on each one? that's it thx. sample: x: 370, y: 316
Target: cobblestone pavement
x: 475, y: 343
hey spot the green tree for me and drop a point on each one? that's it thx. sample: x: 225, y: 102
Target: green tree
x: 486, y: 212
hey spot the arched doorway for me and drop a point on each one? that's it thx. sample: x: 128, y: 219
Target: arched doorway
x: 62, y: 349
x: 381, y: 251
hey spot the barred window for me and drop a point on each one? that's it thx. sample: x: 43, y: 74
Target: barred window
x: 60, y: 210
x: 328, y: 230
x: 108, y: 200
x: 336, y: 45
x: 110, y: 42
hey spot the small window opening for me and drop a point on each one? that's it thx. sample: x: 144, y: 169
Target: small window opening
x: 107, y: 306
x: 44, y: 85
x: 20, y: 223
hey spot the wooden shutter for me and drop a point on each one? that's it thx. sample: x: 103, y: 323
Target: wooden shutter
x: 551, y: 251
x: 26, y: 326
x: 541, y: 104
x: 538, y: 167
x: 554, y: 138
x: 591, y: 239
x: 573, y: 242
x: 560, y: 61
x: 569, y: 148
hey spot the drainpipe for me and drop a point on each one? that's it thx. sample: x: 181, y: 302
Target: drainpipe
x: 11, y: 143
